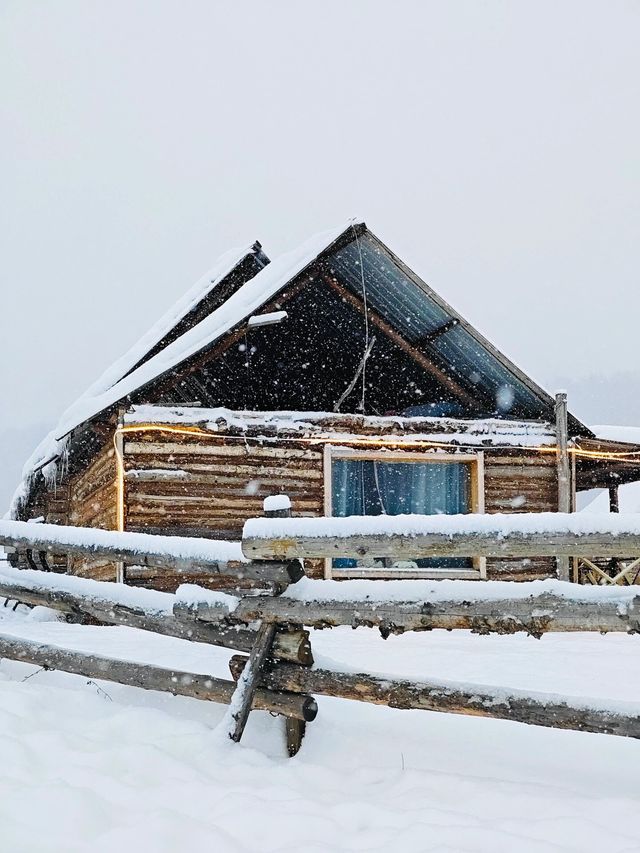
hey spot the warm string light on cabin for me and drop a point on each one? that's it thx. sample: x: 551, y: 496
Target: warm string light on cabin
x: 359, y: 442
x: 121, y: 430
x: 118, y: 448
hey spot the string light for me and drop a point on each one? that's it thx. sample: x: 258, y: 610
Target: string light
x: 630, y: 456
x: 119, y: 478
x: 364, y: 441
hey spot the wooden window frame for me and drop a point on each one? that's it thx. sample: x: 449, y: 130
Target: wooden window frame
x: 476, y: 462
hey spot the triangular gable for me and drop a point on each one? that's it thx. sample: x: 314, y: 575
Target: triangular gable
x: 443, y: 342
x: 399, y: 296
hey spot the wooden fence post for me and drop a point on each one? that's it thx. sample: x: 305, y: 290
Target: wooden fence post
x: 279, y: 506
x: 564, y: 472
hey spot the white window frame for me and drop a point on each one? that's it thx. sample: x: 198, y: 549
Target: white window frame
x: 476, y: 461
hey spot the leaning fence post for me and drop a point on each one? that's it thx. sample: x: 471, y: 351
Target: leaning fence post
x: 279, y: 506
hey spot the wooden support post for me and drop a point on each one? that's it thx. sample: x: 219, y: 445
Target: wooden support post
x: 248, y: 682
x: 279, y: 506
x: 295, y: 731
x: 614, y: 499
x: 118, y: 442
x: 564, y: 472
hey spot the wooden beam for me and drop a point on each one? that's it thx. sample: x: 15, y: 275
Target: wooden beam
x: 243, y: 696
x: 563, y: 466
x: 539, y: 709
x: 140, y: 549
x: 424, y: 545
x: 614, y: 500
x: 419, y: 357
x: 436, y: 333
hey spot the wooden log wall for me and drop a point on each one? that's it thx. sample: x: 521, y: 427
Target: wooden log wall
x: 195, y: 486
x: 517, y: 481
x: 92, y: 503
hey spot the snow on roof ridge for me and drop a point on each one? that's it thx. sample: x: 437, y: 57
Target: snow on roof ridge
x: 239, y: 305
x: 224, y: 265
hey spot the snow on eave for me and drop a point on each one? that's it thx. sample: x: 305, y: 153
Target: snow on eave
x: 454, y: 431
x: 623, y: 434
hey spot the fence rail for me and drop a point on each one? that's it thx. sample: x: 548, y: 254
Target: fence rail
x: 516, y: 535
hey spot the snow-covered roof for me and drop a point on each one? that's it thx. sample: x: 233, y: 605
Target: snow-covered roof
x: 454, y: 431
x: 225, y: 264
x: 626, y: 434
x: 114, y: 385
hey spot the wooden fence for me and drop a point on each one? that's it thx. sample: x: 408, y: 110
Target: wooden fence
x: 269, y: 622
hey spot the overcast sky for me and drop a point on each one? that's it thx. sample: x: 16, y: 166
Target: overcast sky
x: 493, y: 145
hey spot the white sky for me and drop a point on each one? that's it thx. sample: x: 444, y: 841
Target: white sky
x: 493, y: 145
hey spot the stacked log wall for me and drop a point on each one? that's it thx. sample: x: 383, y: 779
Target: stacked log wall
x: 195, y: 486
x: 520, y: 481
x: 92, y: 502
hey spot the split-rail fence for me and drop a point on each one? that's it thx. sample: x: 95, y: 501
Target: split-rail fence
x: 269, y: 617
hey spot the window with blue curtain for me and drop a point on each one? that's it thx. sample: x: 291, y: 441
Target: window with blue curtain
x: 373, y: 487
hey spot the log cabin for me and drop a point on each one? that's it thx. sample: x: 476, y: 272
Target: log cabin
x: 333, y: 374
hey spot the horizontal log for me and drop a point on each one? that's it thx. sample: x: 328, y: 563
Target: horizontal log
x: 292, y: 646
x: 140, y: 549
x: 149, y: 677
x: 436, y: 536
x: 538, y: 709
x: 534, y: 615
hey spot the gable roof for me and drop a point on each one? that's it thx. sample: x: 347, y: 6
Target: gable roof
x: 394, y: 291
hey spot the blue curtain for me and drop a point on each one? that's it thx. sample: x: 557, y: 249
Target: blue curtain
x: 367, y: 487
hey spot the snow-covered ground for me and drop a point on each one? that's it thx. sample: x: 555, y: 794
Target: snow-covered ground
x: 88, y: 766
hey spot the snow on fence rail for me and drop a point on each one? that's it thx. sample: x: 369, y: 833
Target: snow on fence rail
x: 549, y: 534
x: 182, y: 553
x: 534, y: 607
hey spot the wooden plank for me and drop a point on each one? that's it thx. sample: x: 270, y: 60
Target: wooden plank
x: 243, y: 696
x: 539, y: 709
x: 195, y: 450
